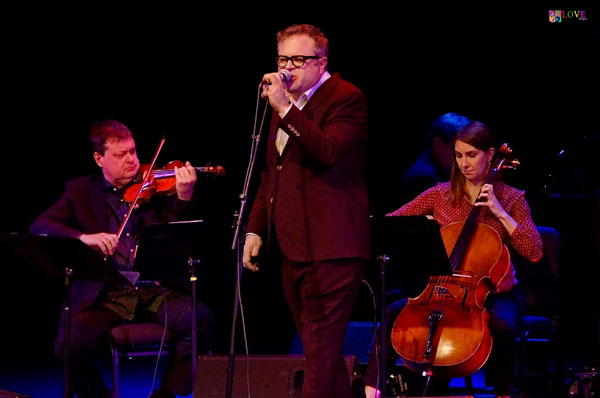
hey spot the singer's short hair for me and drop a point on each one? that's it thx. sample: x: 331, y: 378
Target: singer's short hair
x: 321, y: 42
x: 105, y: 131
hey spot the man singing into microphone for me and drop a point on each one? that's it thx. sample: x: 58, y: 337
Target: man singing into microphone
x: 311, y: 206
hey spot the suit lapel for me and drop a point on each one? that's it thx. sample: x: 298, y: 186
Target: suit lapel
x: 320, y: 95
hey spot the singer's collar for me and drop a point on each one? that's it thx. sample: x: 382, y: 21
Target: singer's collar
x: 308, y: 93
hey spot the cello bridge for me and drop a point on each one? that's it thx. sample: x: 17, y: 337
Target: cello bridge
x: 441, y: 291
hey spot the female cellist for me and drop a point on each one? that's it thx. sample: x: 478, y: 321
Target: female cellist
x: 505, y: 209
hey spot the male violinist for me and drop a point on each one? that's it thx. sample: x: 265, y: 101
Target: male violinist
x: 91, y: 209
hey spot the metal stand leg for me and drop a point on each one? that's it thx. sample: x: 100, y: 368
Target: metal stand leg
x: 192, y: 263
x: 383, y: 259
x: 67, y: 326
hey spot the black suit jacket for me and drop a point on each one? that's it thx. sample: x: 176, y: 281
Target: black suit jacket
x: 82, y: 209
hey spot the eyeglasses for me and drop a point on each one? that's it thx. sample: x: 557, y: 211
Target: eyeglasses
x: 297, y: 60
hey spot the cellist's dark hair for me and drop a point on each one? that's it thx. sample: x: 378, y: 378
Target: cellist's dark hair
x: 105, y: 131
x: 481, y: 137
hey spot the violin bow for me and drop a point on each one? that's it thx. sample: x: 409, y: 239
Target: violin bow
x: 144, y: 181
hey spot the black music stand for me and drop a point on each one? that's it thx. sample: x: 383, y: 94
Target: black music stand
x: 52, y: 255
x: 169, y: 253
x: 409, y: 249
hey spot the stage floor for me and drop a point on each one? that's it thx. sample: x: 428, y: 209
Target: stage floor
x: 32, y: 370
x: 44, y: 380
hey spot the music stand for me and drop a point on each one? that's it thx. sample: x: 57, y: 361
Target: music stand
x: 169, y: 253
x: 409, y: 249
x: 51, y: 255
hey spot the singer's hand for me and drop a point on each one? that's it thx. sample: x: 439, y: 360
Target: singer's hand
x: 106, y: 243
x: 274, y: 91
x: 251, y: 249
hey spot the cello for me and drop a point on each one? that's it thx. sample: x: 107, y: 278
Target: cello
x: 443, y: 332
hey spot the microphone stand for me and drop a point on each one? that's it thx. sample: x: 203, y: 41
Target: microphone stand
x: 238, y: 244
x: 382, y: 371
x: 67, y: 325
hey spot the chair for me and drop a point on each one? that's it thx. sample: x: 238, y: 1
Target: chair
x: 539, y: 286
x: 136, y: 340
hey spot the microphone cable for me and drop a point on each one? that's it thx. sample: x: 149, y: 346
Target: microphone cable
x: 253, y: 152
x: 375, y: 345
x: 162, y: 340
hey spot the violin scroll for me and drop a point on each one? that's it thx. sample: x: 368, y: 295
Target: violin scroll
x: 215, y: 170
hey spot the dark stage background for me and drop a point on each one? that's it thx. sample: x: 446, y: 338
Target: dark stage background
x: 192, y: 73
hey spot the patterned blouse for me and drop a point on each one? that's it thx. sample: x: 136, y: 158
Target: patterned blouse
x: 435, y: 201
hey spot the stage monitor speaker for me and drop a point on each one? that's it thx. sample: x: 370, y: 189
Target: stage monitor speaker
x: 357, y: 342
x: 269, y: 376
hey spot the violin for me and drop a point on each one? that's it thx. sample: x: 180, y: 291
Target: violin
x: 151, y: 183
x: 444, y: 331
x: 160, y: 181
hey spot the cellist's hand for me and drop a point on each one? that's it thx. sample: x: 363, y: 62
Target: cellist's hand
x: 508, y: 281
x: 104, y: 242
x: 372, y: 392
x: 185, y: 179
x: 488, y: 199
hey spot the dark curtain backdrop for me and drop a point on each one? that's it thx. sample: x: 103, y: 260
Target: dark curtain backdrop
x: 191, y: 72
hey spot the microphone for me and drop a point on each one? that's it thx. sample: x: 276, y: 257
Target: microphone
x: 284, y: 74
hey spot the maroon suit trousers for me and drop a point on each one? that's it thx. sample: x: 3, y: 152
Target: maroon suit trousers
x: 321, y: 297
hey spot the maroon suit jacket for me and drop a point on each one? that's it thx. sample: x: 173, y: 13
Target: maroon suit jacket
x: 315, y: 193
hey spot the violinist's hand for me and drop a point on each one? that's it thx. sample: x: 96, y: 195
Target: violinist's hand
x: 185, y: 179
x: 491, y: 202
x: 106, y: 243
x: 274, y: 91
x: 251, y: 249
